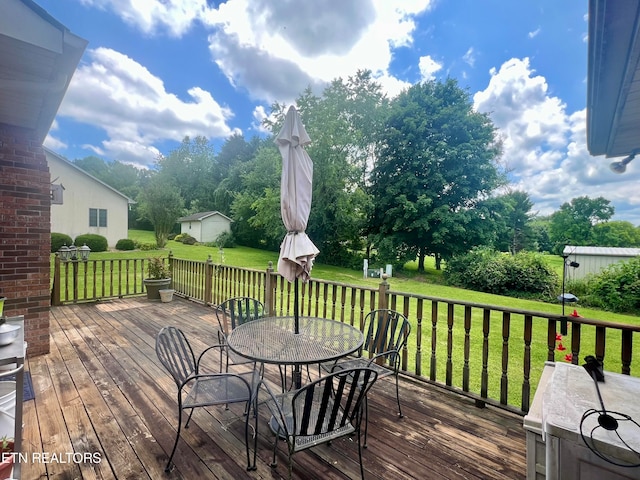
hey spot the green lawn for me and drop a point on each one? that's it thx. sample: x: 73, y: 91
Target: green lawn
x: 409, y: 281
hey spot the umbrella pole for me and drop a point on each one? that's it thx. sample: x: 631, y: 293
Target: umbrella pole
x: 297, y: 374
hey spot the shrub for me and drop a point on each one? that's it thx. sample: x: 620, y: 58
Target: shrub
x: 58, y: 240
x: 146, y: 246
x: 172, y: 236
x: 157, y: 269
x: 616, y: 288
x: 485, y: 270
x: 189, y: 240
x: 225, y: 240
x: 97, y: 243
x: 125, y: 244
x: 179, y: 237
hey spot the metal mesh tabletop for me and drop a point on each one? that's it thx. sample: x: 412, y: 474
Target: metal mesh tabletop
x: 272, y: 340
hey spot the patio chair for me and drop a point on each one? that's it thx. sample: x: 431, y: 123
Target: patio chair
x: 385, y: 334
x: 231, y: 313
x: 320, y: 412
x: 200, y: 390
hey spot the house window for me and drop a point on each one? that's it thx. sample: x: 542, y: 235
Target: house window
x: 97, y: 217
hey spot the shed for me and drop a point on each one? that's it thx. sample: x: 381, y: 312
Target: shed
x: 205, y: 227
x: 592, y: 260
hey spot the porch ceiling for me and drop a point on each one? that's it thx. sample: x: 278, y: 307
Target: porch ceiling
x: 38, y: 56
x: 613, y: 93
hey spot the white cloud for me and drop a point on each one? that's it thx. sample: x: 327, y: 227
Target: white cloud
x: 545, y: 148
x: 258, y: 48
x: 428, y: 67
x: 115, y: 93
x: 469, y: 57
x: 534, y: 33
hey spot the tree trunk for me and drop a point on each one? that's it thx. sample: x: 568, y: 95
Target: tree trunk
x: 421, y: 259
x: 438, y: 261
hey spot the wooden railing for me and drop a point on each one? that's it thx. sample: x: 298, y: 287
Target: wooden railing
x: 492, y: 354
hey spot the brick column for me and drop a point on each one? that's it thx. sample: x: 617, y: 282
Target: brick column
x: 25, y: 233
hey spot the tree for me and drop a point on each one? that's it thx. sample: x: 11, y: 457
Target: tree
x: 573, y: 224
x: 616, y: 234
x: 436, y: 162
x: 515, y: 233
x: 161, y: 203
x: 341, y: 125
x: 190, y: 168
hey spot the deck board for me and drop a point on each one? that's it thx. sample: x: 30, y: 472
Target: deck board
x: 102, y: 390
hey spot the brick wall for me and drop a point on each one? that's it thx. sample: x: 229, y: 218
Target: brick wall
x: 25, y: 238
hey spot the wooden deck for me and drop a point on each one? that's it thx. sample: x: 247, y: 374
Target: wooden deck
x: 102, y: 397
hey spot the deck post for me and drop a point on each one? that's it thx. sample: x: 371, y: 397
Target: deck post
x: 269, y: 287
x: 383, y: 293
x: 208, y: 281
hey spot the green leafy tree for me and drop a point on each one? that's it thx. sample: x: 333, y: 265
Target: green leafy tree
x: 616, y: 234
x: 256, y: 204
x: 573, y: 224
x: 436, y: 162
x: 160, y: 202
x: 190, y: 168
x: 515, y: 233
x: 341, y: 125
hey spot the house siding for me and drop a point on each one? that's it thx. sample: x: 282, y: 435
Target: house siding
x: 25, y: 244
x: 81, y: 193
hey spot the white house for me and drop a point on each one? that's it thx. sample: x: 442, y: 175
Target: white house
x: 592, y: 260
x: 80, y: 203
x: 205, y: 227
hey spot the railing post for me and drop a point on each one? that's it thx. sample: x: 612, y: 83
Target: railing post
x: 208, y: 281
x: 55, y: 291
x: 383, y: 292
x: 269, y: 287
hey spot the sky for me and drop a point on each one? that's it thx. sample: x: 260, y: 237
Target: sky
x: 157, y: 71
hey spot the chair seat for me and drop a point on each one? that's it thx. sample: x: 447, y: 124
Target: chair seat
x: 215, y: 391
x: 301, y: 440
x: 361, y: 362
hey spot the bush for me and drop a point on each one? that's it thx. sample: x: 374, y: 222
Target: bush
x: 125, y: 244
x: 97, y: 243
x: 58, y: 240
x: 186, y: 239
x: 616, y: 288
x: 225, y: 240
x: 189, y: 241
x: 485, y: 270
x: 146, y: 246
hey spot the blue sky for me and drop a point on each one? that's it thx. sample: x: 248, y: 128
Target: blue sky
x: 157, y: 71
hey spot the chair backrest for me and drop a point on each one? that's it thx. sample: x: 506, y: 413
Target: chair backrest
x: 385, y: 330
x: 175, y: 354
x: 328, y: 404
x: 239, y: 310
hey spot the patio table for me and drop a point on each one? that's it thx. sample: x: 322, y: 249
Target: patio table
x: 272, y: 340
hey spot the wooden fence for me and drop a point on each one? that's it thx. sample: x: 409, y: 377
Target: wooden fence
x: 492, y: 354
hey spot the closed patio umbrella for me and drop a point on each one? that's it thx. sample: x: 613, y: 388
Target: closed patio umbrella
x: 297, y: 251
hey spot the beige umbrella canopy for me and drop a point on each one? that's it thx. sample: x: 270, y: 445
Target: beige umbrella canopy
x: 297, y: 251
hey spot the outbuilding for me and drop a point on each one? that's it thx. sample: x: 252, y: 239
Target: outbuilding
x: 592, y: 260
x: 205, y: 227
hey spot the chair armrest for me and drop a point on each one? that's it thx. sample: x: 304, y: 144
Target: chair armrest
x: 273, y: 402
x: 220, y: 346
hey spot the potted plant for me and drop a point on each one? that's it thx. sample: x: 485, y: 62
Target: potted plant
x: 6, y: 457
x: 159, y: 278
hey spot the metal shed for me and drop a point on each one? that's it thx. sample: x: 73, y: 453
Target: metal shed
x: 592, y: 260
x: 205, y: 226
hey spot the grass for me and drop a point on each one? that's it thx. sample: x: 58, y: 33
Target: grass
x: 428, y: 283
